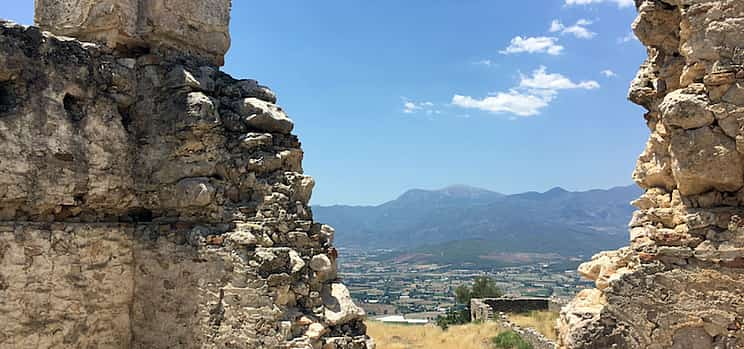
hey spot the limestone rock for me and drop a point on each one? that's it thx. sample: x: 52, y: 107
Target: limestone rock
x: 687, y: 110
x: 654, y: 166
x: 605, y: 266
x: 324, y: 267
x: 705, y: 159
x: 315, y: 330
x: 327, y: 232
x: 112, y: 21
x: 194, y: 192
x: 578, y: 317
x: 264, y: 116
x: 339, y: 308
x: 198, y: 28
x: 243, y: 238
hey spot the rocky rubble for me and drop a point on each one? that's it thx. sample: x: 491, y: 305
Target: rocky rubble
x: 680, y: 283
x: 148, y: 200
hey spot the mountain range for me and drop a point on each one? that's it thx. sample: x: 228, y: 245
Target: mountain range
x: 473, y: 221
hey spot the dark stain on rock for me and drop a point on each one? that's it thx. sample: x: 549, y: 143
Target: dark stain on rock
x: 74, y: 108
x: 8, y: 99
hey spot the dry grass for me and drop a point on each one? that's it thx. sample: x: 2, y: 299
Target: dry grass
x: 542, y: 321
x: 471, y: 336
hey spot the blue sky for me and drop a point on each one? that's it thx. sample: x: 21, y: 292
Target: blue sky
x: 389, y: 95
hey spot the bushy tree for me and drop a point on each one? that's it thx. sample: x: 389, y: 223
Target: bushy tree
x: 482, y: 287
x: 463, y: 294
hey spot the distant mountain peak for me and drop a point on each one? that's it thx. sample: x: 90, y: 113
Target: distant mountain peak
x: 556, y: 221
x: 454, y: 195
x: 464, y: 190
x: 556, y: 190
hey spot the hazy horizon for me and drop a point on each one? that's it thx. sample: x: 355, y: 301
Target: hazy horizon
x: 480, y: 188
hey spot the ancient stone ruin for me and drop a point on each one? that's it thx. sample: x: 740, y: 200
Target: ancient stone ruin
x: 680, y: 283
x: 484, y: 309
x: 148, y: 200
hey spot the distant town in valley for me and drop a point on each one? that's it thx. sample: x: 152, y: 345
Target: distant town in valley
x: 407, y: 256
x: 425, y: 291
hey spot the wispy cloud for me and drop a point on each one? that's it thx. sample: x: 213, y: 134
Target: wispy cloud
x: 608, y: 73
x: 541, y: 44
x: 413, y: 107
x: 485, y: 62
x: 620, y: 3
x: 530, y: 97
x: 627, y: 38
x: 579, y: 29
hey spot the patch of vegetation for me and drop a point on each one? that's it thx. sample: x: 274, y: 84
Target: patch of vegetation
x: 482, y: 287
x: 458, y: 315
x: 542, y: 321
x: 510, y: 340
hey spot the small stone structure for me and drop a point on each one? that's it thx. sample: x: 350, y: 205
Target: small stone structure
x: 680, y: 283
x: 482, y: 309
x: 495, y: 309
x: 148, y: 200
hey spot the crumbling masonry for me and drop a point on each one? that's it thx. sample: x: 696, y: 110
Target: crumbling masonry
x: 680, y: 283
x: 148, y: 200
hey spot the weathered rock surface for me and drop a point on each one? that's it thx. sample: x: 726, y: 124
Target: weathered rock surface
x: 680, y: 283
x: 198, y: 28
x: 141, y: 206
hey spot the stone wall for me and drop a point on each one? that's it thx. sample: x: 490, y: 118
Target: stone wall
x: 481, y: 310
x: 680, y: 282
x: 485, y: 308
x: 536, y: 339
x: 148, y: 200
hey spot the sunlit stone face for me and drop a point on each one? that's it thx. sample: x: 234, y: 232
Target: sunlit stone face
x: 196, y: 28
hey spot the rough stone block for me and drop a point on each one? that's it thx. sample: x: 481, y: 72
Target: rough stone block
x: 196, y: 28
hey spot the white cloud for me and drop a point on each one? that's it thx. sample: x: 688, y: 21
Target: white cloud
x: 556, y: 26
x: 542, y: 44
x: 513, y: 102
x: 542, y: 80
x: 579, y: 29
x: 609, y: 73
x: 412, y: 107
x: 620, y: 3
x: 533, y: 94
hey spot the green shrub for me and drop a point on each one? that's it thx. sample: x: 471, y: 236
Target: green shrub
x: 510, y: 340
x: 483, y: 287
x: 458, y: 315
